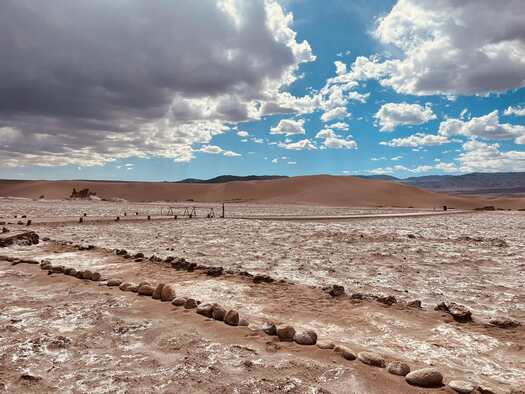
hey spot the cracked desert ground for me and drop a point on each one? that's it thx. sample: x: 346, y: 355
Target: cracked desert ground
x: 62, y: 334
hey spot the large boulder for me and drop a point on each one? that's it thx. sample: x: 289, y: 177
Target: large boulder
x: 286, y: 333
x: 158, y: 291
x: 232, y: 318
x: 269, y: 328
x: 145, y: 289
x: 325, y: 345
x: 218, y: 313
x: 460, y: 313
x: 345, y: 352
x: 190, y: 303
x: 426, y: 377
x: 167, y: 293
x: 462, y: 387
x: 24, y: 238
x: 179, y: 301
x: 504, y: 322
x: 96, y: 276
x: 205, y: 310
x: 336, y: 290
x: 308, y: 337
x: 114, y: 282
x: 370, y: 358
x: 398, y: 368
x: 127, y: 286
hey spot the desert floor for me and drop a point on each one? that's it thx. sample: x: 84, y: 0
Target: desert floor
x: 80, y: 336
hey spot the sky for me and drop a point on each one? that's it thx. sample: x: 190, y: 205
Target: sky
x: 169, y: 89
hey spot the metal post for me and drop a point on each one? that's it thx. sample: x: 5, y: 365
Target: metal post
x: 222, y: 216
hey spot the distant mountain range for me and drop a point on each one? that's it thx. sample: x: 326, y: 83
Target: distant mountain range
x: 232, y: 178
x: 498, y: 183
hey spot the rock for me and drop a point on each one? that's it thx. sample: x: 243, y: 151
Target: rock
x: 232, y: 318
x: 461, y: 386
x: 336, y: 290
x: 346, y: 353
x: 503, y: 322
x: 426, y: 377
x: 218, y: 313
x: 517, y: 390
x: 286, y: 333
x: 138, y: 255
x: 167, y: 293
x: 307, y: 338
x: 57, y: 269
x: 262, y: 279
x: 414, y: 304
x: 45, y: 265
x: 244, y: 323
x: 269, y: 328
x: 22, y: 238
x: 134, y: 288
x: 205, y: 310
x: 179, y: 301
x: 370, y: 358
x: 459, y: 312
x: 145, y: 289
x: 114, y: 282
x: 190, y: 303
x: 486, y: 390
x: 87, y: 274
x: 398, y: 368
x: 158, y: 291
x: 387, y: 300
x: 70, y: 271
x: 127, y: 286
x: 79, y: 274
x: 214, y: 271
x: 325, y: 345
x: 95, y: 276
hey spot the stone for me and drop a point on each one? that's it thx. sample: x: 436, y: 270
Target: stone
x: 22, y: 238
x: 387, y: 300
x: 45, y: 264
x: 346, y: 353
x: 462, y: 387
x: 218, y: 313
x: 517, y: 390
x: 214, y: 271
x: 244, y: 322
x: 398, y: 368
x: 325, y: 345
x: 232, y: 318
x: 96, y: 276
x: 134, y: 288
x: 79, y: 274
x: 460, y: 313
x: 167, y: 293
x: 307, y: 338
x: 372, y: 359
x: 426, y: 377
x: 57, y: 269
x: 486, y: 390
x: 179, y: 301
x: 158, y: 291
x: 190, y: 303
x: 415, y: 304
x: 269, y: 328
x: 205, y: 310
x: 126, y: 286
x: 145, y: 289
x: 114, y: 282
x: 260, y: 278
x: 138, y: 255
x: 286, y: 333
x: 86, y: 274
x: 336, y: 290
x: 503, y: 322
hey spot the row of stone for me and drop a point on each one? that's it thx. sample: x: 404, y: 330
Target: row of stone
x: 426, y: 377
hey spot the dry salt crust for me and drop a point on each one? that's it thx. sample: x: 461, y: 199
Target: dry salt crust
x: 374, y: 256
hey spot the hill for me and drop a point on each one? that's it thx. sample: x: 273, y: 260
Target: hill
x: 232, y: 178
x: 319, y: 190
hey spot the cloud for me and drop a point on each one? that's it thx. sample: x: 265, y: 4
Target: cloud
x: 333, y: 114
x: 450, y: 47
x: 243, y: 134
x: 326, y: 133
x: 392, y: 115
x: 96, y: 81
x: 339, y: 125
x: 478, y: 156
x: 487, y: 127
x: 289, y: 127
x: 339, y: 143
x: 415, y: 140
x: 516, y: 111
x: 215, y: 150
x: 305, y: 144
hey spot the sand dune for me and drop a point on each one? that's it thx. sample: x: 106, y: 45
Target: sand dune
x: 318, y: 189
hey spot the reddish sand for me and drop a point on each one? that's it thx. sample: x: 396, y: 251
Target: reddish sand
x: 320, y: 189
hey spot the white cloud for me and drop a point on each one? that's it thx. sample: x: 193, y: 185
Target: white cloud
x: 516, y: 111
x: 392, y: 115
x: 339, y: 143
x: 289, y: 127
x: 230, y: 153
x: 292, y: 163
x: 415, y: 140
x: 340, y: 67
x: 275, y: 161
x: 483, y: 157
x: 215, y: 150
x: 339, y: 126
x: 326, y: 133
x: 305, y: 144
x: 451, y: 47
x: 488, y: 127
x: 446, y: 167
x: 333, y: 114
x: 243, y: 134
